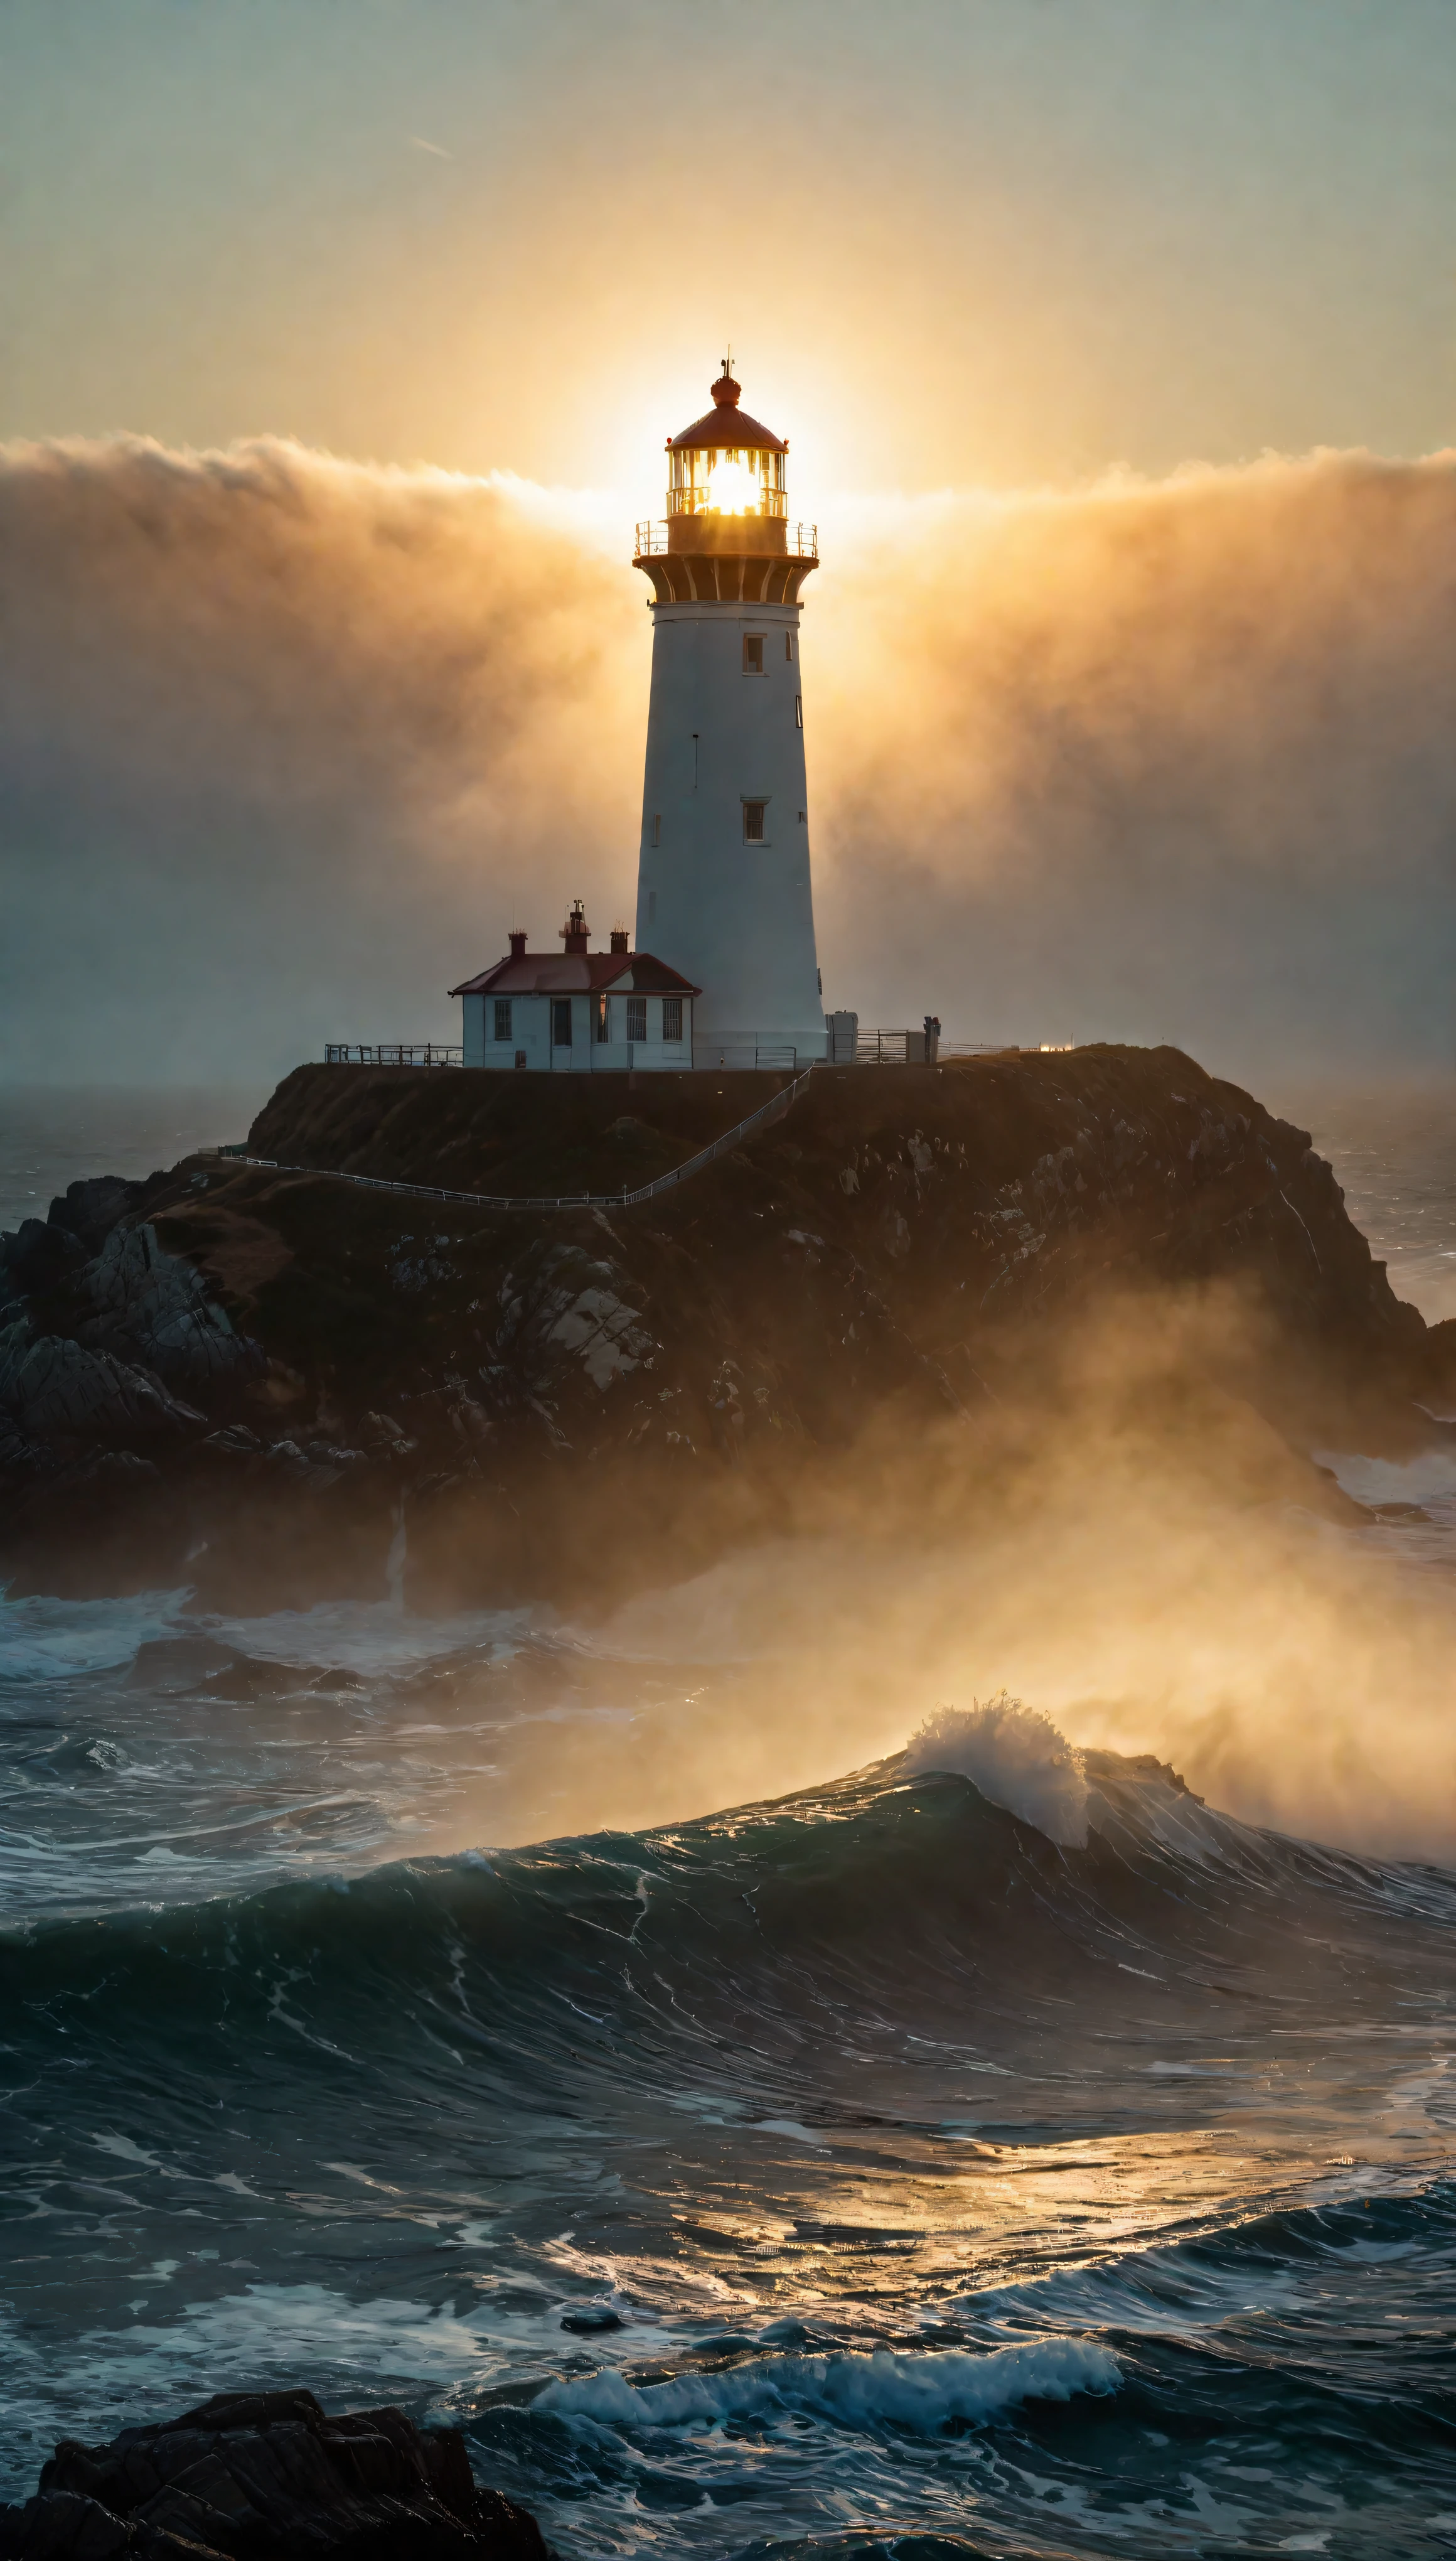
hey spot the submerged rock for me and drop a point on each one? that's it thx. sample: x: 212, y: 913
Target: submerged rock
x: 268, y: 2476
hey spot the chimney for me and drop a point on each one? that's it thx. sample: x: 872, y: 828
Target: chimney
x: 518, y: 947
x: 619, y: 938
x: 576, y: 930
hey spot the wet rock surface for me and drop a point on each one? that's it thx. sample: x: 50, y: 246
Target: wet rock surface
x: 55, y: 1388
x: 154, y: 1306
x: 264, y: 1377
x: 268, y: 2476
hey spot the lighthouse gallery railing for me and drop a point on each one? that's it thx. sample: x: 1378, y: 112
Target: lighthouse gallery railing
x: 801, y: 542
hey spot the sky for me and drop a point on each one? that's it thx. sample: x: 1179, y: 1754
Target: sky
x: 1059, y: 304
x: 954, y: 241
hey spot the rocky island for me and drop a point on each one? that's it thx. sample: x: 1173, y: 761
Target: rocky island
x: 254, y: 1376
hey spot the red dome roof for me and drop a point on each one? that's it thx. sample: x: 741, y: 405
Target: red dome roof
x: 728, y: 425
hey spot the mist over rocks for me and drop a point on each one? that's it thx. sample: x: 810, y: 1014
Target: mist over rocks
x: 914, y: 1273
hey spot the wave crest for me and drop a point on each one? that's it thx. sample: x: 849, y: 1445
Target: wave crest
x: 1017, y: 1758
x: 922, y: 2392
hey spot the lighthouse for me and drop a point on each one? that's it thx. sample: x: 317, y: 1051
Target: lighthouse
x: 723, y: 874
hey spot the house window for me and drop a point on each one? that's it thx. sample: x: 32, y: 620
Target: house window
x: 788, y: 644
x: 657, y: 829
x: 636, y: 1018
x: 755, y: 812
x: 672, y: 1018
x: 603, y: 1021
x: 799, y: 710
x: 560, y: 1022
x: 503, y: 1018
x: 753, y: 653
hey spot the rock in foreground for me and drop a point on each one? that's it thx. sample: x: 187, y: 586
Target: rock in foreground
x: 268, y: 2476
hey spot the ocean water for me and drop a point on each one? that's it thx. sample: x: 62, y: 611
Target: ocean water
x: 1393, y: 1151
x: 979, y: 2152
x: 51, y: 1135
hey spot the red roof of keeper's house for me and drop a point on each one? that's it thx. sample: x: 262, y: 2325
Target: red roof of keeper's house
x: 566, y: 973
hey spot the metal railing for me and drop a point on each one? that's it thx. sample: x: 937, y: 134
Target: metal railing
x: 907, y: 1049
x: 871, y: 1049
x: 603, y: 1058
x: 801, y: 542
x: 739, y: 1059
x: 774, y: 1110
x: 392, y: 1054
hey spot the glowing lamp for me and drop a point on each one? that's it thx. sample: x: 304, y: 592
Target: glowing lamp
x: 733, y: 486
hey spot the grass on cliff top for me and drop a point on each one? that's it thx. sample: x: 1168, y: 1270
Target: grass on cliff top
x: 535, y: 1136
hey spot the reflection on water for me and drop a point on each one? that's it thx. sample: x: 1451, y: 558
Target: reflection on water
x: 858, y: 2158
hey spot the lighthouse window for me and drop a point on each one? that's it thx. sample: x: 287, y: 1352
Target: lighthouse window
x: 503, y: 1018
x: 788, y: 644
x: 560, y: 1022
x: 799, y: 708
x: 657, y: 829
x: 753, y: 653
x: 672, y: 1018
x: 636, y: 1018
x: 754, y: 816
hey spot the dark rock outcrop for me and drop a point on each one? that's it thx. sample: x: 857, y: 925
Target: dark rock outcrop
x: 154, y: 1306
x: 57, y: 1389
x: 100, y: 1358
x: 38, y: 1258
x: 87, y: 1211
x: 268, y: 2476
x: 554, y: 1401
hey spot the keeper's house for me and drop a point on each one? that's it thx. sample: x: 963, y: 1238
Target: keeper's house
x: 577, y: 1012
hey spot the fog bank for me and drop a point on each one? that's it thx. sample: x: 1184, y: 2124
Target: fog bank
x: 286, y: 740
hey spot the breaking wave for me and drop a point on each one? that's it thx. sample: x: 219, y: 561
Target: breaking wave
x: 1016, y: 1757
x: 923, y: 2392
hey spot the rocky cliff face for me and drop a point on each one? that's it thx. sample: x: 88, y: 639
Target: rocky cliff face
x: 548, y: 1389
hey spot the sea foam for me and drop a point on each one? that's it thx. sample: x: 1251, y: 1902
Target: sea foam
x: 1016, y: 1757
x: 923, y: 2392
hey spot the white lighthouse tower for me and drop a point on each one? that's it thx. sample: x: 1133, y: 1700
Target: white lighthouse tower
x: 722, y: 879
